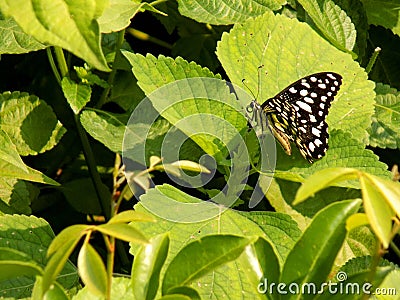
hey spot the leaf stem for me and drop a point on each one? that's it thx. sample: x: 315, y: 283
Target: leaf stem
x: 154, y: 3
x: 373, y: 59
x: 111, y: 77
x: 146, y: 37
x: 94, y: 174
x: 53, y: 65
x: 62, y: 63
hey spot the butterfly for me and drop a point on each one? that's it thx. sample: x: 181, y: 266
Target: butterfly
x: 297, y: 114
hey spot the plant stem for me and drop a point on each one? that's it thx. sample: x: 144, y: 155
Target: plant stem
x: 105, y: 202
x: 53, y: 65
x: 111, y: 77
x: 110, y: 264
x: 62, y: 63
x: 145, y: 37
x: 373, y: 59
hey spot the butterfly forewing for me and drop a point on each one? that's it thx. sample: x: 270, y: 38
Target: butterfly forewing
x: 300, y: 110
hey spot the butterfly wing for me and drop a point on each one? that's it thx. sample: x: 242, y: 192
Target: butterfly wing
x: 300, y: 110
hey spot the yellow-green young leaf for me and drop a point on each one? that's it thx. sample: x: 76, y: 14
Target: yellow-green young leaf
x: 377, y: 209
x: 77, y: 94
x: 323, y: 179
x: 356, y: 220
x: 55, y: 292
x: 131, y: 216
x: 71, y: 233
x: 191, y: 166
x: 147, y: 266
x: 92, y: 271
x: 71, y: 25
x: 390, y: 191
x: 154, y: 160
x: 57, y: 262
x: 123, y: 232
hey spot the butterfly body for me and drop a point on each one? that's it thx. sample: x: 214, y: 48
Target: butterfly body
x: 298, y: 113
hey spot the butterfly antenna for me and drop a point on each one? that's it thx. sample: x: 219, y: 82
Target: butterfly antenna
x: 247, y: 87
x: 259, y: 80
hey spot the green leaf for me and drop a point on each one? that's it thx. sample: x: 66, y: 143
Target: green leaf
x: 77, y: 94
x: 201, y: 257
x: 203, y: 108
x: 385, y: 68
x: 376, y: 196
x: 119, y: 13
x: 31, y: 236
x: 219, y: 13
x: 224, y: 222
x: 182, y: 292
x: 332, y: 21
x: 385, y: 128
x: 16, y: 264
x: 18, y: 42
x: 86, y: 203
x: 123, y: 232
x: 62, y: 23
x: 29, y: 122
x: 120, y: 289
x: 106, y: 127
x: 343, y: 151
x: 92, y: 270
x: 9, y: 154
x: 323, y: 179
x: 312, y: 257
x: 130, y: 216
x: 16, y: 196
x: 282, y: 46
x: 56, y: 291
x: 384, y: 13
x: 260, y: 263
x: 72, y: 233
x: 147, y: 266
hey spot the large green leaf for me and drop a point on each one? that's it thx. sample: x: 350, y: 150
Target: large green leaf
x: 201, y: 257
x: 31, y: 236
x: 332, y: 21
x: 227, y: 222
x: 16, y: 195
x: 71, y: 25
x: 17, y: 41
x: 311, y: 259
x: 385, y: 128
x: 218, y: 13
x: 202, y: 108
x: 384, y: 12
x: 282, y: 46
x: 29, y: 122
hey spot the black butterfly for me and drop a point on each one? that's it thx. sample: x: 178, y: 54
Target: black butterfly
x: 298, y: 113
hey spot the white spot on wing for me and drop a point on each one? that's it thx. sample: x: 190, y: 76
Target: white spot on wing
x: 317, y: 142
x: 292, y: 90
x: 304, y: 106
x: 308, y: 100
x: 316, y: 132
x: 313, y: 79
x: 331, y: 76
x: 314, y: 95
x: 305, y: 84
x: 311, y: 146
x: 322, y: 85
x: 303, y: 93
x: 313, y: 119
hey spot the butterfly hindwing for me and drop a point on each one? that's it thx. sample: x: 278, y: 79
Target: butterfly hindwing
x: 300, y: 110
